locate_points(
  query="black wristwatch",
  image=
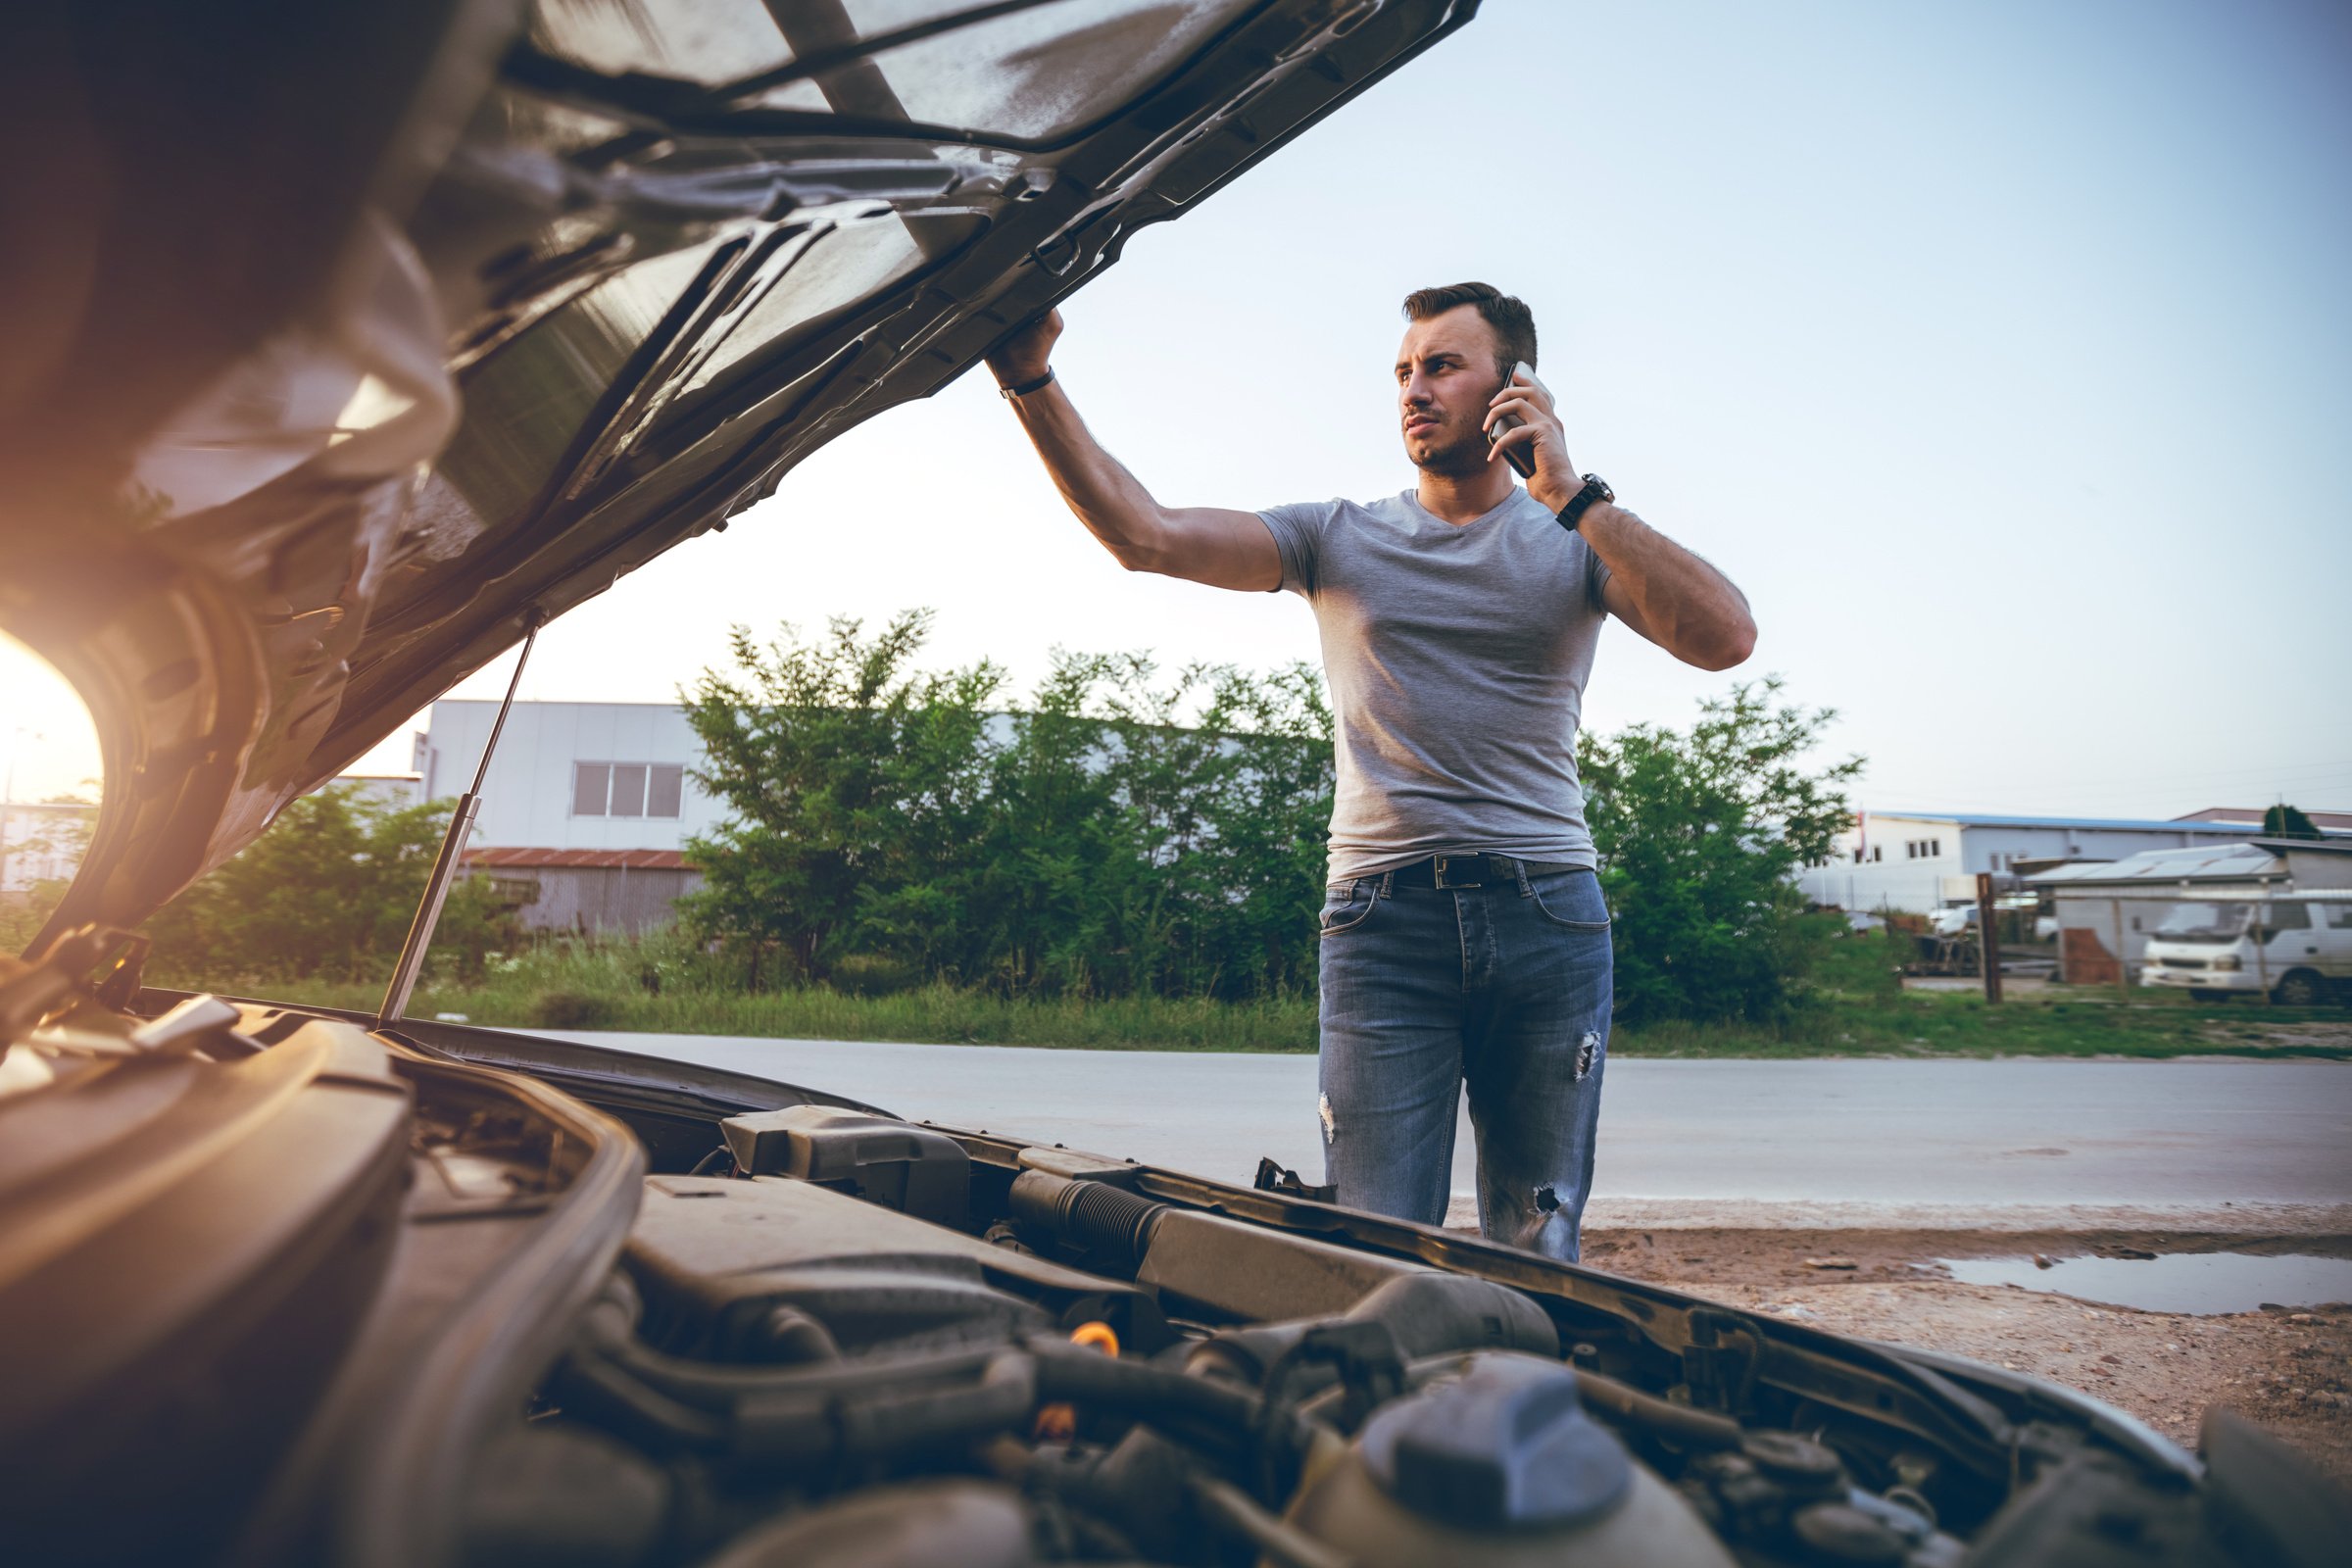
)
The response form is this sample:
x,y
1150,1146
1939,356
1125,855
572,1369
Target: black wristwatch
x,y
1595,489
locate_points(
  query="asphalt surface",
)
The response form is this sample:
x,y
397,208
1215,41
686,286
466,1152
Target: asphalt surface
x,y
1958,1134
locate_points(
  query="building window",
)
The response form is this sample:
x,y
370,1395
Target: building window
x,y
1936,847
589,783
665,787
1878,852
627,789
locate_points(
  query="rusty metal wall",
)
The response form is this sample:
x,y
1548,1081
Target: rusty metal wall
x,y
598,900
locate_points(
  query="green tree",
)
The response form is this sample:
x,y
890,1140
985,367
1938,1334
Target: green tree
x,y
856,788
328,892
1117,833
1051,867
1164,837
2284,822
1229,816
1699,836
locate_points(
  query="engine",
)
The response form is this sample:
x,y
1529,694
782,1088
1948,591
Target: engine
x,y
280,1295
853,1344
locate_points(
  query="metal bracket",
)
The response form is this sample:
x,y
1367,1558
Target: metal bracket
x,y
452,849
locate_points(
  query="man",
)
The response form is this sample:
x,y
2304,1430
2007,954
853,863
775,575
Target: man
x,y
1464,935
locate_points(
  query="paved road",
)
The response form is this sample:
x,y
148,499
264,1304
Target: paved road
x,y
1998,1134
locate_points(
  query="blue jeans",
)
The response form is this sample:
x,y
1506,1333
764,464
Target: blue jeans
x,y
1503,987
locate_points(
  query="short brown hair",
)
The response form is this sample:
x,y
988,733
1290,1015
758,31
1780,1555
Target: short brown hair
x,y
1513,322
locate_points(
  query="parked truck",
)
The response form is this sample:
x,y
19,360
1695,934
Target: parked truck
x,y
2294,947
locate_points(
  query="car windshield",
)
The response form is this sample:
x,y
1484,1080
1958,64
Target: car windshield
x,y
2206,923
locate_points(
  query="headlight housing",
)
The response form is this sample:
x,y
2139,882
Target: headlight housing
x,y
2231,962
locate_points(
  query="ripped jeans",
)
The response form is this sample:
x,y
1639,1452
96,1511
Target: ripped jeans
x,y
1505,988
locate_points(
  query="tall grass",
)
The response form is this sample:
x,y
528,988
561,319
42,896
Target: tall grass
x,y
936,1013
662,985
1854,1006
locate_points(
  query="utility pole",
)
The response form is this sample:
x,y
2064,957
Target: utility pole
x,y
2123,966
2259,923
1989,937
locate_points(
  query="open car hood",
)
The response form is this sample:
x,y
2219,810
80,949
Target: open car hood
x,y
348,340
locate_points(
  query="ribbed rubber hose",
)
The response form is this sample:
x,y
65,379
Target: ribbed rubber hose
x,y
1105,1221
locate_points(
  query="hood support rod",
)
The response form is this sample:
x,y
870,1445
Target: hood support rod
x,y
453,847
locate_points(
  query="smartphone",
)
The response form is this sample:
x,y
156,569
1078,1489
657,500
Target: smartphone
x,y
1522,459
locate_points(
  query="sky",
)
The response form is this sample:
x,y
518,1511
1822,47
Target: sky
x,y
1994,350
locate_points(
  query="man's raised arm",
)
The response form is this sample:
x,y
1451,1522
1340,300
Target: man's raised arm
x,y
1201,544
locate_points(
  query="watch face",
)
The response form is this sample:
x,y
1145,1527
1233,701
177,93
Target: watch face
x,y
1596,480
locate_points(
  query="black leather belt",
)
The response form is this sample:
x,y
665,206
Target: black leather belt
x,y
1472,871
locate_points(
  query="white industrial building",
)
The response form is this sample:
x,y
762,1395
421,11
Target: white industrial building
x,y
586,811
1918,861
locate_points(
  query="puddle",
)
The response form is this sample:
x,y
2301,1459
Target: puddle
x,y
2198,1283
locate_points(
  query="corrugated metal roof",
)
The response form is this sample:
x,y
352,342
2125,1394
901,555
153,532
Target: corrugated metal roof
x,y
2219,863
2118,824
582,859
2253,816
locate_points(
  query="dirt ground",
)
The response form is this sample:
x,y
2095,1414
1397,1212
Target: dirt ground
x,y
2289,1370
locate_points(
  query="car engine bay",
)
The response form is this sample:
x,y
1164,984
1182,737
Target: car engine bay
x,y
599,1309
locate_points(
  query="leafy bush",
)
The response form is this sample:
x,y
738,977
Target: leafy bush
x,y
25,913
329,891
1700,834
1117,834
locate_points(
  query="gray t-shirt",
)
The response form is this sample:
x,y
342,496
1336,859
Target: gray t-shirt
x,y
1456,657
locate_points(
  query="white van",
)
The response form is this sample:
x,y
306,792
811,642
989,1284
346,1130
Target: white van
x,y
2298,947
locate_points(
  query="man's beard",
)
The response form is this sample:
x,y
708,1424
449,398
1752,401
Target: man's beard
x,y
1457,459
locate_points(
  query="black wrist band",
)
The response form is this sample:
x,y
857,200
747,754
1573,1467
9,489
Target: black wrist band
x,y
1027,387
1595,489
